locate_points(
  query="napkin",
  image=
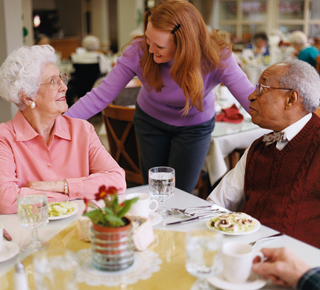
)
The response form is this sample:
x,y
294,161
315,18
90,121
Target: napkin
x,y
230,115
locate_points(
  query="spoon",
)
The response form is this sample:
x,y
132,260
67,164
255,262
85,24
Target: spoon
x,y
195,207
214,211
267,238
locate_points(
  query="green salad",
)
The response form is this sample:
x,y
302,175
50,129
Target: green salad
x,y
233,222
56,209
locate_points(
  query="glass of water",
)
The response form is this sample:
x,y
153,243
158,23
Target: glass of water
x,y
33,214
203,255
161,186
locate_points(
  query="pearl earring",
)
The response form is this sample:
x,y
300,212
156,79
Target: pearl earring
x,y
32,105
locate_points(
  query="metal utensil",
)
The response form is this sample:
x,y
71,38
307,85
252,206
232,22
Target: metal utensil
x,y
193,207
191,219
204,211
266,238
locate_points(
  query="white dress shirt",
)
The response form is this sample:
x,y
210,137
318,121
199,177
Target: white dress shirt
x,y
229,193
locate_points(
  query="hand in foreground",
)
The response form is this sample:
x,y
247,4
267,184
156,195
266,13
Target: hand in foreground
x,y
281,266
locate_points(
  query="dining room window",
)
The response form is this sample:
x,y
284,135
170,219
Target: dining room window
x,y
246,17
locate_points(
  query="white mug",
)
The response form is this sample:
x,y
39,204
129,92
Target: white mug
x,y
142,206
1,237
237,261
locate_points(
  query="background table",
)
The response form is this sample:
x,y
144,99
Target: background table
x,y
225,138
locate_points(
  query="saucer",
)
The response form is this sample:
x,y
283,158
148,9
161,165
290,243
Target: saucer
x,y
154,218
253,283
9,250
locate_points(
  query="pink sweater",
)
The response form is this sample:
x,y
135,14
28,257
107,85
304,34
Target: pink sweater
x,y
166,105
75,154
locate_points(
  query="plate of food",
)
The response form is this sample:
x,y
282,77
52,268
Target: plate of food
x,y
61,210
234,223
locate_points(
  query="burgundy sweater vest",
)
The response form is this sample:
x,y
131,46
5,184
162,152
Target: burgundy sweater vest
x,y
283,187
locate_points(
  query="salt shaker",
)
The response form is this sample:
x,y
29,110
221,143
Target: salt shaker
x,y
20,278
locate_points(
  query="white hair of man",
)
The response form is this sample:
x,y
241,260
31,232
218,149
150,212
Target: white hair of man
x,y
303,78
21,72
298,37
91,43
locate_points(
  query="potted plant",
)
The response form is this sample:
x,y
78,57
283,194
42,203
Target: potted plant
x,y
111,232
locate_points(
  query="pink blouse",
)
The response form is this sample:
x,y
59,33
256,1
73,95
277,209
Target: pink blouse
x,y
75,153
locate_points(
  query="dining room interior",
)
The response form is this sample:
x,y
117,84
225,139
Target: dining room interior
x,y
167,261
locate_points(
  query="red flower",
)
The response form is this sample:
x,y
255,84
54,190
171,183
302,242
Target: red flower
x,y
103,192
86,201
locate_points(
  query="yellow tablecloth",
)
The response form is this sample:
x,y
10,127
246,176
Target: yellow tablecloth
x,y
169,245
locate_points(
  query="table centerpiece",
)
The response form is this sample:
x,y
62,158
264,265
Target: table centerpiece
x,y
111,232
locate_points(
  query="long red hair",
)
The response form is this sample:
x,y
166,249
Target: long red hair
x,y
198,51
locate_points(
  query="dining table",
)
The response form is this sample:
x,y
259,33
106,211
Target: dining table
x,y
160,266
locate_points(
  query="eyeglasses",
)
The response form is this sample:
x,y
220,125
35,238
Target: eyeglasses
x,y
260,86
55,81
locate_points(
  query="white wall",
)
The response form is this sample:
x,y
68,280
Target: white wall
x,y
11,38
27,7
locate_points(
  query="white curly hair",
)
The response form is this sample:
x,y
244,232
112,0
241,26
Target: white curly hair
x,y
302,77
91,43
21,72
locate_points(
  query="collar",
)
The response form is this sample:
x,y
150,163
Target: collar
x,y
25,132
291,131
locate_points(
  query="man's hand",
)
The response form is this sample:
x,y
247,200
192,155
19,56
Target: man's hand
x,y
281,266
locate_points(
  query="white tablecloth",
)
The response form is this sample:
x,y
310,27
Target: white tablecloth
x,y
227,137
181,199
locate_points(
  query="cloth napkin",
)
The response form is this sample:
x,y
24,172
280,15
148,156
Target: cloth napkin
x,y
230,115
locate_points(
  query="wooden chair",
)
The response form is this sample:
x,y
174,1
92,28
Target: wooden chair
x,y
318,63
123,141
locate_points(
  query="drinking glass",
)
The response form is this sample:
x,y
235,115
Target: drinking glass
x,y
161,186
55,269
33,214
203,255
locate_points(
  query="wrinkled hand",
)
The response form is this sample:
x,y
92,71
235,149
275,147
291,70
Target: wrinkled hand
x,y
282,267
57,186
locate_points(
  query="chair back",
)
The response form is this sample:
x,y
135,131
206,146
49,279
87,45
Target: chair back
x,y
318,63
123,141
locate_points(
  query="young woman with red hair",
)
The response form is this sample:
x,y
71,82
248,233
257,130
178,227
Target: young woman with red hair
x,y
179,63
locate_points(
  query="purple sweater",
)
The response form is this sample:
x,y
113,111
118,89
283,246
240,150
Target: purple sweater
x,y
166,105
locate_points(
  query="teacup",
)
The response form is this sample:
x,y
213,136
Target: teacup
x,y
237,261
143,206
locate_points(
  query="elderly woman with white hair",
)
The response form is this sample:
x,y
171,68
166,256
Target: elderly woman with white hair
x,y
306,52
40,149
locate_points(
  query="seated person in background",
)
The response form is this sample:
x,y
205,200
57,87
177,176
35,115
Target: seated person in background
x,y
306,52
40,149
278,183
259,44
42,39
286,269
89,54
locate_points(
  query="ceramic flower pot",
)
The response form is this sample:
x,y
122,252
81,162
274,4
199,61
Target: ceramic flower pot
x,y
112,248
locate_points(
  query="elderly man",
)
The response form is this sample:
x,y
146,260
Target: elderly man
x,y
277,179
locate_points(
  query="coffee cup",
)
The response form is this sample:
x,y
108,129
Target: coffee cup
x,y
143,206
237,260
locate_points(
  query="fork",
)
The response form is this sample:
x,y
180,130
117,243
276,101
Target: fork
x,y
194,207
266,238
208,211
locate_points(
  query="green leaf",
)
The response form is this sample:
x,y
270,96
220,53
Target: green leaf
x,y
94,215
127,205
114,221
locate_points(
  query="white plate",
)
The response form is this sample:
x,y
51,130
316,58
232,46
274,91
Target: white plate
x,y
256,228
252,283
9,250
52,218
155,218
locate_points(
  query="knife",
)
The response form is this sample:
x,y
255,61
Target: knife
x,y
6,235
191,219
